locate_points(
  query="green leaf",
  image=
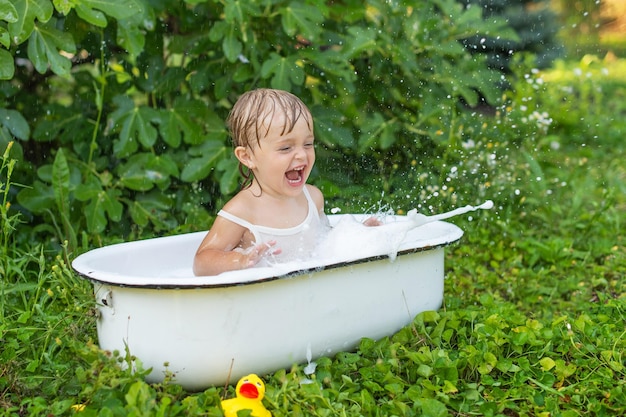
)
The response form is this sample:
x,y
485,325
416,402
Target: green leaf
x,y
136,175
470,17
142,171
27,12
38,198
232,47
61,123
112,206
388,136
176,124
95,214
140,214
152,68
152,207
101,204
238,12
433,408
15,123
229,175
61,187
88,189
285,71
243,73
61,181
453,47
196,119
332,62
489,362
7,68
564,370
302,19
118,9
487,81
63,6
370,130
134,125
360,39
424,371
215,128
44,47
93,16
329,130
547,363
32,366
164,164
449,387
5,39
218,31
8,13
131,34
199,168
233,12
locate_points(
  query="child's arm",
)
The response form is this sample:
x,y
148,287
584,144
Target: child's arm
x,y
217,253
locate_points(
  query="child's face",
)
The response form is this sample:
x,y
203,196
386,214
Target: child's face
x,y
281,163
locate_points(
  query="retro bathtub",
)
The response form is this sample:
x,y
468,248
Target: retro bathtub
x,y
212,330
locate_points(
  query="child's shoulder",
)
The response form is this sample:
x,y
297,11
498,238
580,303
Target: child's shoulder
x,y
313,191
240,205
316,196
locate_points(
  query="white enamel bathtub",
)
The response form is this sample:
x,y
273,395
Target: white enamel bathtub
x,y
211,330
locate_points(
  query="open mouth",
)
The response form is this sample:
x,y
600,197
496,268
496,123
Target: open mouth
x,y
248,390
295,176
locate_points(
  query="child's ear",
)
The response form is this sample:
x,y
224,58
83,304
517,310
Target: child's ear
x,y
243,154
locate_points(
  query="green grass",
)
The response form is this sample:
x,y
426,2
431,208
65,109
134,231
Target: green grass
x,y
534,310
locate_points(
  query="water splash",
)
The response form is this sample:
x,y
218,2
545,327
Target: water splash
x,y
350,238
309,369
420,219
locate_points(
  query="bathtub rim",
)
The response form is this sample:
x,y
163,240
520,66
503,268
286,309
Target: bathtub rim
x,y
80,266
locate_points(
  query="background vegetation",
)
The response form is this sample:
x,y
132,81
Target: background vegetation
x,y
119,106
112,128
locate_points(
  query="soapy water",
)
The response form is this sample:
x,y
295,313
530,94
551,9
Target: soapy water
x,y
351,237
309,368
346,241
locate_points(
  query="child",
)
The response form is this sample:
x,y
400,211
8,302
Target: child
x,y
276,214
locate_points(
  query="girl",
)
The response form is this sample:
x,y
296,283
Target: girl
x,y
276,214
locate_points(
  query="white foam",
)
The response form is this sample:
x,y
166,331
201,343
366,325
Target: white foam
x,y
350,239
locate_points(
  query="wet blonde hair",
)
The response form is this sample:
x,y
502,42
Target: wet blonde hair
x,y
251,117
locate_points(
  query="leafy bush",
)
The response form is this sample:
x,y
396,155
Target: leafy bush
x,y
535,24
119,106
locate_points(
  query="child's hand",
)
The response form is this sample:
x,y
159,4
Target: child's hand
x,y
372,221
257,252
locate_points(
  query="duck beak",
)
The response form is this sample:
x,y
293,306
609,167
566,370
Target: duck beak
x,y
249,390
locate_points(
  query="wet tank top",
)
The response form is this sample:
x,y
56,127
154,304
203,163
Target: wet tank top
x,y
298,242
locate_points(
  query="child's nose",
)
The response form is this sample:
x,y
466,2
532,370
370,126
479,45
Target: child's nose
x,y
301,153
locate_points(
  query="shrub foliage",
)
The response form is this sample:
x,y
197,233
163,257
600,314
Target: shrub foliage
x,y
118,107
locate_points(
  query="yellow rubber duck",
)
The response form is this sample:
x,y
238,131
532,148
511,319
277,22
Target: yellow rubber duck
x,y
249,392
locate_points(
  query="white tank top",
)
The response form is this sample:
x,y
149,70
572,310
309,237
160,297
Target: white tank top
x,y
296,242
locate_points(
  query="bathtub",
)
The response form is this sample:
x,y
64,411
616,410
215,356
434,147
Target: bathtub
x,y
207,331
